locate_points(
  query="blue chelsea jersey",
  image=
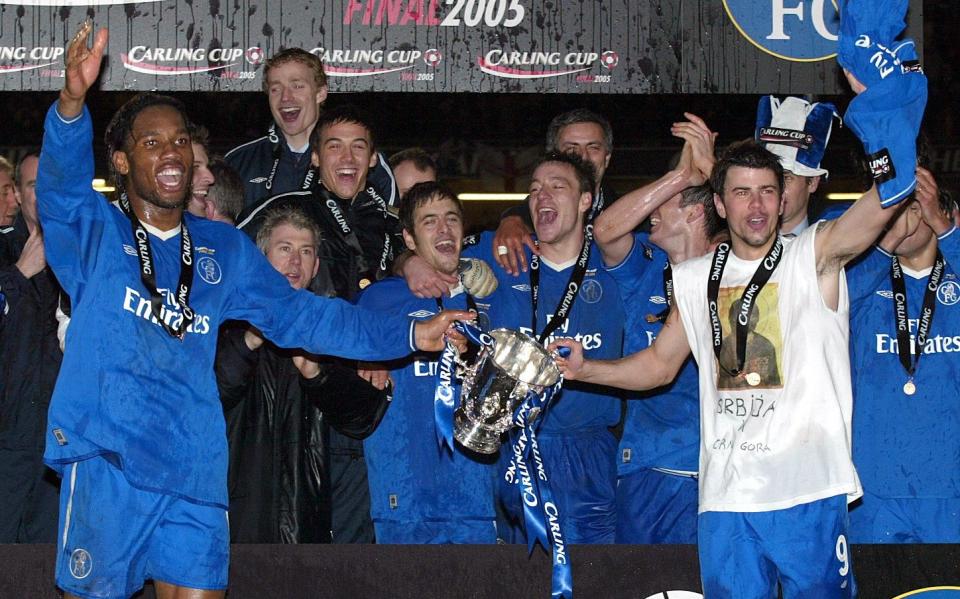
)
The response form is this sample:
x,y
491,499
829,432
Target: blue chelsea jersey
x,y
411,476
662,426
596,320
905,446
129,391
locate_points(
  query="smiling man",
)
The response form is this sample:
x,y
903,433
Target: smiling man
x,y
568,295
202,176
135,423
280,161
360,237
277,401
422,492
775,460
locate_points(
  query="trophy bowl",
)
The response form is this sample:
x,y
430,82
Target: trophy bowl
x,y
505,371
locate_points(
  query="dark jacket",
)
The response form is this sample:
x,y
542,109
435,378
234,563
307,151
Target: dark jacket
x,y
254,162
29,350
29,363
345,259
278,481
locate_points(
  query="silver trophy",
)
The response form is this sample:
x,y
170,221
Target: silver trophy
x,y
504,372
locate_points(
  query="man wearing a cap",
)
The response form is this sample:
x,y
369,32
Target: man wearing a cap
x,y
798,133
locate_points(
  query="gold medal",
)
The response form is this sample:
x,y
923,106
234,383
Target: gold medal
x,y
651,318
753,378
364,283
909,388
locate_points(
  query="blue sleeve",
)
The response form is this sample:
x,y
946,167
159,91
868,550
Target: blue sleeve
x,y
886,116
298,318
72,214
866,273
387,296
481,248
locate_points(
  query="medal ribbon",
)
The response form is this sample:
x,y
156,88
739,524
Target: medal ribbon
x,y
760,278
904,349
573,286
308,177
148,275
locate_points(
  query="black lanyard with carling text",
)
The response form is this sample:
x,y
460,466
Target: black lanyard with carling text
x,y
570,295
747,302
148,272
308,178
904,350
471,303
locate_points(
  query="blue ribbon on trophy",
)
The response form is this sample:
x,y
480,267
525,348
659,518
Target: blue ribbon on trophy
x,y
510,385
445,395
540,513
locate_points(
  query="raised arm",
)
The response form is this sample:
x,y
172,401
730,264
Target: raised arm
x,y
613,229
82,69
66,204
648,369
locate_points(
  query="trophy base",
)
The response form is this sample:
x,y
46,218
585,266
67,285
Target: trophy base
x,y
474,435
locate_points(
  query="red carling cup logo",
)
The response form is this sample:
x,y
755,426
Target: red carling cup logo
x,y
254,55
432,57
609,59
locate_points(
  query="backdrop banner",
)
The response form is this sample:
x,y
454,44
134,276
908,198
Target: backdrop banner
x,y
527,46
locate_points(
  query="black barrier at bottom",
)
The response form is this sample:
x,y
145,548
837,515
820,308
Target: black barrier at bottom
x,y
418,571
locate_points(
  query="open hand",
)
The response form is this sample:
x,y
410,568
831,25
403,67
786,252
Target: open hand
x,y
82,68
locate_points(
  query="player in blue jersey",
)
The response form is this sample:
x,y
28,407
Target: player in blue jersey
x,y
659,448
578,449
135,425
906,422
422,492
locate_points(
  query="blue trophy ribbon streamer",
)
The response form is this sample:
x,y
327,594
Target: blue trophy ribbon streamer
x,y
541,513
445,396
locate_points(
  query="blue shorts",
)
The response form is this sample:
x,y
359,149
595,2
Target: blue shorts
x,y
881,520
654,507
434,532
113,536
582,469
744,554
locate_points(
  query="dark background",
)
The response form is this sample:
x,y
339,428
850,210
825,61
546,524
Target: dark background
x,y
487,142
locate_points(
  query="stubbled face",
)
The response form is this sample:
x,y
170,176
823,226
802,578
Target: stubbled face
x,y
293,252
796,198
437,234
407,175
202,180
294,100
27,186
157,161
556,202
8,199
587,141
667,222
345,155
751,204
